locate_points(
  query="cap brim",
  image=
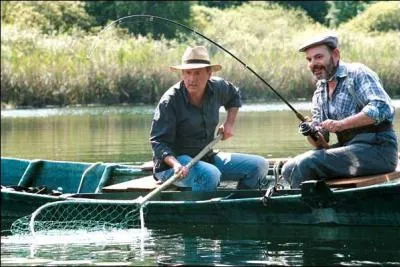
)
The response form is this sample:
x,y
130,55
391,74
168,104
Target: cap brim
x,y
214,67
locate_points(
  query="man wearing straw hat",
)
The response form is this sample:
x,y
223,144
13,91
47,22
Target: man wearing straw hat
x,y
349,101
185,121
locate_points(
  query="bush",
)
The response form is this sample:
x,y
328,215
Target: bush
x,y
51,17
378,17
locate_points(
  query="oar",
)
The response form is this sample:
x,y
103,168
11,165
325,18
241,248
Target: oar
x,y
176,176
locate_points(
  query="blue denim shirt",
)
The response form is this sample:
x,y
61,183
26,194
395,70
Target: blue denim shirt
x,y
370,97
179,128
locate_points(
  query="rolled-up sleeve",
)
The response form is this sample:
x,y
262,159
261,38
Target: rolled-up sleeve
x,y
229,95
378,107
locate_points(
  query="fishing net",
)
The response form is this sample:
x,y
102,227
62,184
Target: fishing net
x,y
95,214
82,214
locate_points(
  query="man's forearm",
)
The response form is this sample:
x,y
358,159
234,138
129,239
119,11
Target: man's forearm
x,y
356,121
231,116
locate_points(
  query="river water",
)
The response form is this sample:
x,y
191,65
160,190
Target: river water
x,y
120,134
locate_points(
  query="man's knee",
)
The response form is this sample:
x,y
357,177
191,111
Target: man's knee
x,y
287,168
207,180
261,166
259,171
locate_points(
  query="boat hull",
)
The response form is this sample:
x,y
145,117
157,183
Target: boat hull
x,y
375,205
371,206
315,203
15,205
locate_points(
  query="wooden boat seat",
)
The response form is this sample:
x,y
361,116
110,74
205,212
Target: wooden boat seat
x,y
146,183
363,180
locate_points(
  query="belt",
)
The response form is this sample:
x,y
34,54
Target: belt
x,y
347,135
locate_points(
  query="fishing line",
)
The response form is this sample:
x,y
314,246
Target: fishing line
x,y
151,19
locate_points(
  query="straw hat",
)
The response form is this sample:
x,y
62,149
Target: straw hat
x,y
195,58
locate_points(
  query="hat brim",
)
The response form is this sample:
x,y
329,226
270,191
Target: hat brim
x,y
214,67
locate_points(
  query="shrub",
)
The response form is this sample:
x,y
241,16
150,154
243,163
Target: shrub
x,y
380,17
51,17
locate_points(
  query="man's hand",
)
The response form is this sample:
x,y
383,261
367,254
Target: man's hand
x,y
180,170
306,129
319,142
227,128
314,137
333,126
227,131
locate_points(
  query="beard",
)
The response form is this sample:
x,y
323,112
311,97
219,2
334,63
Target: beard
x,y
324,71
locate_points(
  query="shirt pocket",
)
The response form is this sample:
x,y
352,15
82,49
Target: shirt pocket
x,y
345,105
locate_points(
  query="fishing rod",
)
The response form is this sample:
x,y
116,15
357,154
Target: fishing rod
x,y
151,18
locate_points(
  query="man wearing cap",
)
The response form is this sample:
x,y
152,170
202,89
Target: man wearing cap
x,y
349,101
185,121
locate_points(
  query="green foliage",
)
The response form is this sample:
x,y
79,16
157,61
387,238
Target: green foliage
x,y
254,33
221,4
381,17
40,69
342,11
51,17
317,10
103,11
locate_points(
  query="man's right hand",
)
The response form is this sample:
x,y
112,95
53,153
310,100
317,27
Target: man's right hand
x,y
180,170
314,137
307,129
176,165
318,140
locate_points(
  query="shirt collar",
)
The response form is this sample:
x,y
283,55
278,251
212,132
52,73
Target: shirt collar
x,y
341,71
209,90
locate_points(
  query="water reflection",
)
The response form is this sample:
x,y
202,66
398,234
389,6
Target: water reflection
x,y
212,245
284,245
121,134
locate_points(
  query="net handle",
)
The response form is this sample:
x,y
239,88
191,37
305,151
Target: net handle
x,y
176,176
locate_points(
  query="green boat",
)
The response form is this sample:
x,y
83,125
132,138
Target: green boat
x,y
29,184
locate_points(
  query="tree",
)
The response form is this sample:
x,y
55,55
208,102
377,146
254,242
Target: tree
x,y
51,17
221,4
342,11
317,10
105,11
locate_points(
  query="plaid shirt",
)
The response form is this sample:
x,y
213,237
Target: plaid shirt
x,y
369,96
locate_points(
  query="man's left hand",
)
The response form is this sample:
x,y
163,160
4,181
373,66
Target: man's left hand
x,y
333,126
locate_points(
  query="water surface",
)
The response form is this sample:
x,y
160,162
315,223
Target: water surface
x,y
120,134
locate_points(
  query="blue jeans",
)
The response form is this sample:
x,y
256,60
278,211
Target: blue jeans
x,y
247,170
365,154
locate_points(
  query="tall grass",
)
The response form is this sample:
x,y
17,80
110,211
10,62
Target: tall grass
x,y
38,69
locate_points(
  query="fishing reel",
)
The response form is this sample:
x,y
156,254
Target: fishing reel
x,y
307,129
